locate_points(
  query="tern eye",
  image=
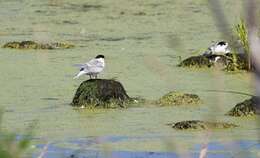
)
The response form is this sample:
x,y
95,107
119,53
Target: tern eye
x,y
81,69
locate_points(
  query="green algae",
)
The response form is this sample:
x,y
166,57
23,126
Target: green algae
x,y
236,62
101,93
201,125
61,45
230,61
245,108
35,45
178,98
196,61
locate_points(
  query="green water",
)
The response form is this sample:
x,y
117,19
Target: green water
x,y
135,36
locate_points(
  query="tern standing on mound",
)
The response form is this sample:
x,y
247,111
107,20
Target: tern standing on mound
x,y
93,67
219,48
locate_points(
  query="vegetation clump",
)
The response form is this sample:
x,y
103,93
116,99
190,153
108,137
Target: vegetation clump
x,y
237,62
196,61
232,61
229,61
245,108
35,45
237,59
201,125
102,93
178,98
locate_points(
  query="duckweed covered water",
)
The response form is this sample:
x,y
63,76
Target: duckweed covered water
x,y
137,37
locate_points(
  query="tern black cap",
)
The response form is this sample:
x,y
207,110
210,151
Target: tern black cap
x,y
100,56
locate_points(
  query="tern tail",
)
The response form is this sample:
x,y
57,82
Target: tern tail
x,y
79,74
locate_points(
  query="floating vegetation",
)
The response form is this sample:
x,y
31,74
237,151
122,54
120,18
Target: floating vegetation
x,y
91,6
201,125
178,98
245,108
35,45
102,93
237,61
196,61
229,61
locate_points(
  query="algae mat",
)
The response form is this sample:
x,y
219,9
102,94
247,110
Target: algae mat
x,y
136,37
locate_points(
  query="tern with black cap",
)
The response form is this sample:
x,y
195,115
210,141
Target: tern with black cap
x,y
92,68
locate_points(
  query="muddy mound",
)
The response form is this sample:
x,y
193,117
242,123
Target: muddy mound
x,y
35,45
245,108
101,93
201,125
178,98
237,62
229,62
196,61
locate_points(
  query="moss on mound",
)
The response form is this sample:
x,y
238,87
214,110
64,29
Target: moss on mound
x,y
101,93
201,125
245,108
237,62
35,45
178,98
230,62
196,61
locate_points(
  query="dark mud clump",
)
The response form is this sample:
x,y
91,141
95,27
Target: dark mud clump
x,y
178,98
201,125
102,93
229,61
35,45
245,108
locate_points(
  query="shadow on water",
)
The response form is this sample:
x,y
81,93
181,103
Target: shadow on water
x,y
84,148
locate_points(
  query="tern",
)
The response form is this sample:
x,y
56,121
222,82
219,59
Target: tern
x,y
92,68
219,48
